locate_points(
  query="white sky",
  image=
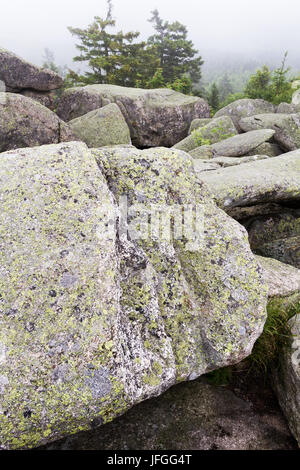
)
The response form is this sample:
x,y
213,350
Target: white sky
x,y
252,27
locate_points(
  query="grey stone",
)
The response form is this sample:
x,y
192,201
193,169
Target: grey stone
x,y
243,108
286,127
286,378
240,145
26,123
282,279
133,316
296,98
159,117
196,123
102,127
272,180
215,131
18,74
271,150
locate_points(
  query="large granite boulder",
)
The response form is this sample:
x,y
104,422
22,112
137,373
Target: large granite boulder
x,y
159,117
271,180
245,107
26,123
94,321
17,74
102,127
240,145
284,293
283,280
214,131
271,150
286,379
296,98
288,108
276,235
286,127
199,122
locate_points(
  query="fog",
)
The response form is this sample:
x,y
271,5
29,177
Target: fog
x,y
254,29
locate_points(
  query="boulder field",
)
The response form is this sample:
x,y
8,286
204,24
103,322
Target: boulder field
x,y
142,242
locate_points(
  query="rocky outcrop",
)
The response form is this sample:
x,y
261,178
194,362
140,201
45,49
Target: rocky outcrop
x,y
271,180
102,127
296,98
271,150
159,117
276,235
101,320
17,74
26,123
240,145
214,131
196,123
282,279
286,127
224,162
245,108
286,379
46,98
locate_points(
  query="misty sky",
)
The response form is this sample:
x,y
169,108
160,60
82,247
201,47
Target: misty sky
x,y
254,28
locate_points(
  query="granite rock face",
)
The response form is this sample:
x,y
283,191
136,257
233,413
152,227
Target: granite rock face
x,y
241,144
17,74
244,108
285,126
214,131
271,180
26,123
286,379
93,322
102,127
159,117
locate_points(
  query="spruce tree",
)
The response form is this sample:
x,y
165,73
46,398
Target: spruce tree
x,y
176,53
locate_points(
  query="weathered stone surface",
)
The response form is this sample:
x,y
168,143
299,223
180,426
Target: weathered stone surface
x,y
272,180
286,250
296,98
18,74
287,378
205,165
101,322
159,117
282,279
263,228
46,98
240,145
286,108
201,164
276,235
102,127
196,123
193,416
26,123
231,161
204,151
215,131
286,127
245,213
271,150
244,108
